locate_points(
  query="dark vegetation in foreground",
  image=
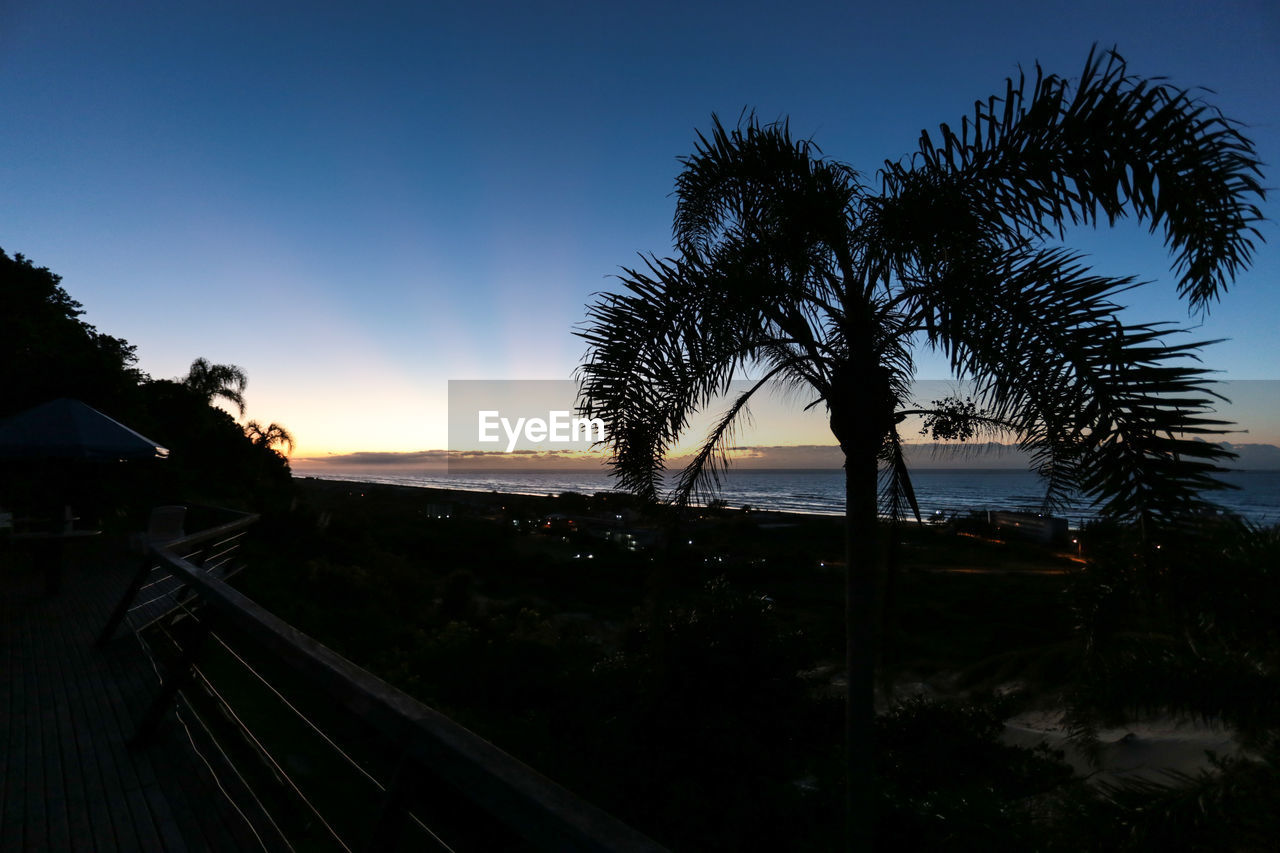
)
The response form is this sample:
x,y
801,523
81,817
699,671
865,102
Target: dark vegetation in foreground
x,y
692,690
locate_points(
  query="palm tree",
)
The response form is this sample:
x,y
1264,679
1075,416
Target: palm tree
x,y
789,268
217,380
270,436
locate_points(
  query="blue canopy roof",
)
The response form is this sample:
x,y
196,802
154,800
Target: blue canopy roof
x,y
69,429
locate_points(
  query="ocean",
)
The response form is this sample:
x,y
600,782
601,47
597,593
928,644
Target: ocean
x,y
1256,495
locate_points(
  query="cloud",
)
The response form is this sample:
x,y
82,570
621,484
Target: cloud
x,y
440,459
550,459
1257,457
786,456
375,459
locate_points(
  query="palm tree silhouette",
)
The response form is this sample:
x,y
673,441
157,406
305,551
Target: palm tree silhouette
x,y
791,269
217,380
270,436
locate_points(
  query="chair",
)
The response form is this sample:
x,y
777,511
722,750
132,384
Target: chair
x,y
165,524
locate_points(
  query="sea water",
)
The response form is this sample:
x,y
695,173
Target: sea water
x,y
1255,496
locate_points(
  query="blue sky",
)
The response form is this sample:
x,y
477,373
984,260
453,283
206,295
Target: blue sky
x,y
357,205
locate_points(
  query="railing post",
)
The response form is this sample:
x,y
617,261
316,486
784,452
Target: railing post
x,y
122,608
391,816
197,559
177,675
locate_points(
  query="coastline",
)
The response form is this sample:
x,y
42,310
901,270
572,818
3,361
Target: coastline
x,y
942,492
495,499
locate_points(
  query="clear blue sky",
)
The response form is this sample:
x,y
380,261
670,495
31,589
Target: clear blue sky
x,y
359,203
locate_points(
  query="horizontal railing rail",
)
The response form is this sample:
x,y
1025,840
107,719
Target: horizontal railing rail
x,y
429,751
154,590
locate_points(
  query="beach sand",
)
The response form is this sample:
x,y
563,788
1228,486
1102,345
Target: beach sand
x,y
1144,749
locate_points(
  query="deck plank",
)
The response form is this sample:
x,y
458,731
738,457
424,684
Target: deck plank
x,y
71,830
68,778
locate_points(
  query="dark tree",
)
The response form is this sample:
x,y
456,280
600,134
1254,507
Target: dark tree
x,y
47,351
211,381
211,458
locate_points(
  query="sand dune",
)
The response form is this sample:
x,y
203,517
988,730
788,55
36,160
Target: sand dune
x,y
1143,749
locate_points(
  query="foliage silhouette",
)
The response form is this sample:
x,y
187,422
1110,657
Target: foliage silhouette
x,y
1186,628
211,381
950,784
211,459
1228,808
49,352
1182,626
790,268
270,437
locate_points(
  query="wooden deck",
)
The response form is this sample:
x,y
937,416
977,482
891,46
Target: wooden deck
x,y
68,779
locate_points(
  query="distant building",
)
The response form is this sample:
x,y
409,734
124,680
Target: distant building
x,y
637,538
1030,526
558,523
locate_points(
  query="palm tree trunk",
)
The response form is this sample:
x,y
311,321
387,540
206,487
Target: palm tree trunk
x,y
862,563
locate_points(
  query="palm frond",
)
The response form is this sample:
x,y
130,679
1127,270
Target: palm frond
x,y
701,476
218,380
658,353
755,181
269,436
1106,146
897,494
1228,807
1107,408
756,282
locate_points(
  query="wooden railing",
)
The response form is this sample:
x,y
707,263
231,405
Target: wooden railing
x,y
434,783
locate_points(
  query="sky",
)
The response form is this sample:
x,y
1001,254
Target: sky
x,y
359,203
